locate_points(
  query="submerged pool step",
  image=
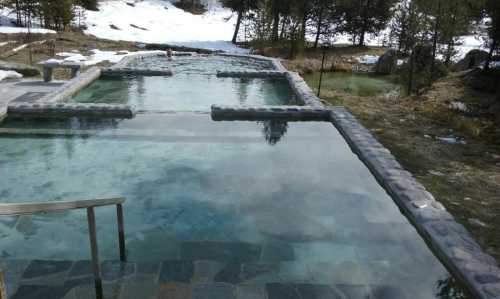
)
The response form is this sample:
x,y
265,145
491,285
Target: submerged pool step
x,y
62,110
198,279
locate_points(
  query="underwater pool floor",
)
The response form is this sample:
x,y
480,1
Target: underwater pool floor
x,y
214,210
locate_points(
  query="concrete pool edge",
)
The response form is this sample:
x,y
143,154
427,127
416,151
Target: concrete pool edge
x,y
449,240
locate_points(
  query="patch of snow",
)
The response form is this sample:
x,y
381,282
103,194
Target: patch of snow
x,y
436,173
451,140
368,59
11,30
7,42
9,75
458,106
96,57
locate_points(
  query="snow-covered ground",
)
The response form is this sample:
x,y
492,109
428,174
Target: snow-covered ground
x,y
10,30
158,21
96,57
9,75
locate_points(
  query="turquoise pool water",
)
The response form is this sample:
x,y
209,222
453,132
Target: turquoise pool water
x,y
202,64
291,198
193,92
194,86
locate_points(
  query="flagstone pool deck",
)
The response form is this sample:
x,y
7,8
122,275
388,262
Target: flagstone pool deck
x,y
25,90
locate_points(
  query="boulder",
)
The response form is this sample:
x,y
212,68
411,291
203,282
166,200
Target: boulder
x,y
472,60
23,69
387,63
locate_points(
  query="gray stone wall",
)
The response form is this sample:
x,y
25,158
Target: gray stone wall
x,y
252,74
61,110
302,90
72,87
135,71
287,113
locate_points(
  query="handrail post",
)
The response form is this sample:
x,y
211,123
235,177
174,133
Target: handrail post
x,y
95,253
3,292
121,232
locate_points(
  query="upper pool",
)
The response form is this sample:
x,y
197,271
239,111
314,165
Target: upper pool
x,y
265,203
202,64
194,86
193,92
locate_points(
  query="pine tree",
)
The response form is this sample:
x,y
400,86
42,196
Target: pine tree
x,y
88,4
493,11
241,7
361,17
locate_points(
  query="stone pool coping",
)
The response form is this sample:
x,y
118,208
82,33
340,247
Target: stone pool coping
x,y
283,113
63,110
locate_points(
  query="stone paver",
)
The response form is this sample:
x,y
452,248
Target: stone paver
x,y
12,90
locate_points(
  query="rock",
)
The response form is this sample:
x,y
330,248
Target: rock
x,y
23,69
387,63
472,60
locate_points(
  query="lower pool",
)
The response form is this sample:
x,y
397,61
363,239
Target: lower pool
x,y
193,92
362,85
278,202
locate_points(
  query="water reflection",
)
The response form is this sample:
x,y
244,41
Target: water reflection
x,y
450,289
274,131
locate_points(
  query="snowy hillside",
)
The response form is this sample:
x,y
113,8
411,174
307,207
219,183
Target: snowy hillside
x,y
159,21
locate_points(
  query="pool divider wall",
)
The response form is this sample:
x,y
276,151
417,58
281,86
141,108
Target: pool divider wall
x,y
286,113
135,71
62,110
450,241
72,87
252,74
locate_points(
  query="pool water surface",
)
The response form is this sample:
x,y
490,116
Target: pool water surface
x,y
289,198
186,92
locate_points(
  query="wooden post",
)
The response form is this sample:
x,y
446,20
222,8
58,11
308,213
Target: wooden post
x,y
95,253
3,292
121,232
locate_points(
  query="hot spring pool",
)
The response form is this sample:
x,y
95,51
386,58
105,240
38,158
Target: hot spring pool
x,y
186,92
194,86
285,203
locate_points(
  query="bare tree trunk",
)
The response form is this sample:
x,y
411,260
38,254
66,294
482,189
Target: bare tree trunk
x,y
363,27
237,29
410,75
276,26
493,47
435,40
318,29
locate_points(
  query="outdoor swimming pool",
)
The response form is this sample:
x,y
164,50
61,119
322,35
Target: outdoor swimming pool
x,y
278,203
243,209
194,86
186,92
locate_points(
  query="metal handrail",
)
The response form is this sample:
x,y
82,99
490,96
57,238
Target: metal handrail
x,y
14,209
